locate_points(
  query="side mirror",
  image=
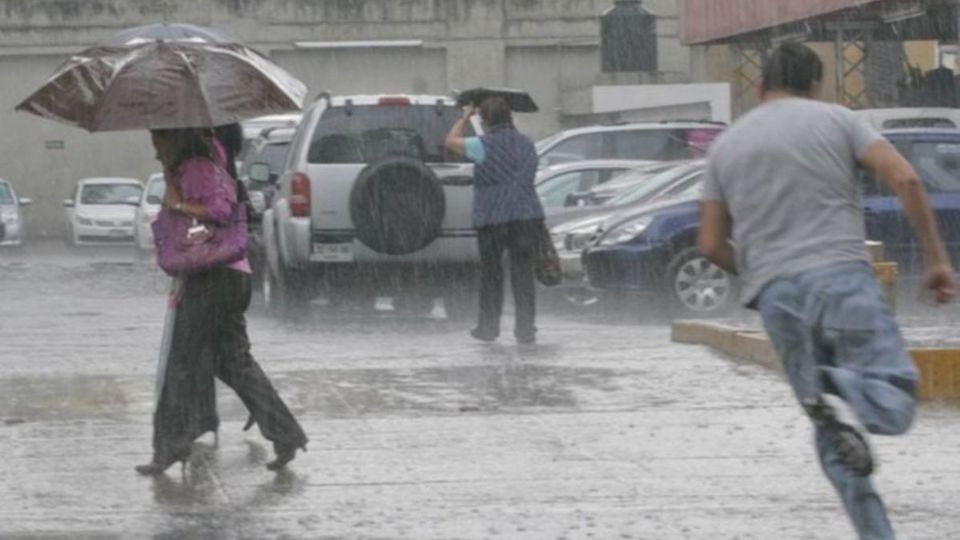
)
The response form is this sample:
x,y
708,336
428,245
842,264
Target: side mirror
x,y
69,203
260,172
25,201
153,199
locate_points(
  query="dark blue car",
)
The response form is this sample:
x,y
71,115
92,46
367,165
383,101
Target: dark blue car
x,y
653,251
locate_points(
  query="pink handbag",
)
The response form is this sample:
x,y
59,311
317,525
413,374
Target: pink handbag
x,y
177,253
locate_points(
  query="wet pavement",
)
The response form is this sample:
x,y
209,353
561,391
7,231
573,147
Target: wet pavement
x,y
604,430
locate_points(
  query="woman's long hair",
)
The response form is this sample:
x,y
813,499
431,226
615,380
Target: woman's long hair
x,y
189,143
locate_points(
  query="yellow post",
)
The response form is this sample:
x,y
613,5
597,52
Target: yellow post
x,y
886,273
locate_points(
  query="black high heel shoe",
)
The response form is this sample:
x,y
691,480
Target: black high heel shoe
x,y
285,454
159,466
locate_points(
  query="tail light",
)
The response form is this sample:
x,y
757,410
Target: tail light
x,y
300,195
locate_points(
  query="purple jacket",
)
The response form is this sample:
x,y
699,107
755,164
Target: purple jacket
x,y
205,183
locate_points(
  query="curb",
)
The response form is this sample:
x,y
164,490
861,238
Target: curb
x,y
939,368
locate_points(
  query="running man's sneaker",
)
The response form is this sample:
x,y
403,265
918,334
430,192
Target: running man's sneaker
x,y
844,431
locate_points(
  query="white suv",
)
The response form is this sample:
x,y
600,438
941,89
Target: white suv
x,y
372,204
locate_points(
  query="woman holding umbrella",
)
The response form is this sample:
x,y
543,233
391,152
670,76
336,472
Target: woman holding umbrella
x,y
209,335
507,214
179,81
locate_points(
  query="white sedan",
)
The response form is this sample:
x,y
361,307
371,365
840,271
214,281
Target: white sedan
x,y
102,211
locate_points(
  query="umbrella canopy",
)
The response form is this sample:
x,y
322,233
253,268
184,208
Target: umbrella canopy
x,y
162,85
518,100
166,32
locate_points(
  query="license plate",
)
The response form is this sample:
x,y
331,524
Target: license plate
x,y
333,252
118,232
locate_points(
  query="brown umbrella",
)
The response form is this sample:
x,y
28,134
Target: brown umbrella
x,y
161,84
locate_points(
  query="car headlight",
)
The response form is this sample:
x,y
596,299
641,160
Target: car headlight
x,y
626,232
578,238
84,221
8,216
557,239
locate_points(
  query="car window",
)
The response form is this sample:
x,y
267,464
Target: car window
x,y
656,144
576,148
938,164
109,193
273,154
6,194
370,133
651,187
155,191
699,141
553,193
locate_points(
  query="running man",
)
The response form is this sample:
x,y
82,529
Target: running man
x,y
781,208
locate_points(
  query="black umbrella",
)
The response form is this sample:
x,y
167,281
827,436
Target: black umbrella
x,y
518,100
167,32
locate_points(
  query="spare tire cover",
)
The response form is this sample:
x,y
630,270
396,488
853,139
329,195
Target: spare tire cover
x,y
397,206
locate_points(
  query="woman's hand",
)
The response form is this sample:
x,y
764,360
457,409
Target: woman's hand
x,y
468,111
171,197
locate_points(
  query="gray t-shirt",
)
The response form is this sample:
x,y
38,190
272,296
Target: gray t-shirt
x,y
787,174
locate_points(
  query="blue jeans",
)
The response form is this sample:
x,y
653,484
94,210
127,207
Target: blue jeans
x,y
835,334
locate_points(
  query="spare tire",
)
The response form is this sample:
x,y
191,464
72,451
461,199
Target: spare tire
x,y
397,206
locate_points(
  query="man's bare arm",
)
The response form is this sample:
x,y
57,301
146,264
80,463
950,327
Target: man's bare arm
x,y
714,237
887,163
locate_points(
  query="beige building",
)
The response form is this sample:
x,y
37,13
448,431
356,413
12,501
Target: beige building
x,y
549,47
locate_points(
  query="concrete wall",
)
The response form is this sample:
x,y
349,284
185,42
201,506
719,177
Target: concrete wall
x,y
546,46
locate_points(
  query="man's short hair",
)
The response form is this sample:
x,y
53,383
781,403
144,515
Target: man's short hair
x,y
793,67
495,112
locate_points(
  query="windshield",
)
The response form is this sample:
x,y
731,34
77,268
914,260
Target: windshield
x,y
6,194
653,186
370,133
155,190
109,193
938,164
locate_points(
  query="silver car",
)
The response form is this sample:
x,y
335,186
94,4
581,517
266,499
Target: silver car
x,y
11,215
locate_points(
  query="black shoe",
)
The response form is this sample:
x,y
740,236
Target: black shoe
x,y
159,465
844,432
285,454
483,336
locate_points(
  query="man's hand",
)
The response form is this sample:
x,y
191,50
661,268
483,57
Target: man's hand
x,y
941,283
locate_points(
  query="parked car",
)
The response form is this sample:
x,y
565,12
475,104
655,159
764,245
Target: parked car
x,y
559,185
255,127
653,251
147,210
640,185
11,215
102,211
259,172
570,238
654,141
370,204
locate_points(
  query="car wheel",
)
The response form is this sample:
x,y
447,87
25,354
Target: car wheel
x,y
697,287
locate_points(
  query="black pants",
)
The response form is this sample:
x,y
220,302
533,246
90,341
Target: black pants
x,y
210,340
519,240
